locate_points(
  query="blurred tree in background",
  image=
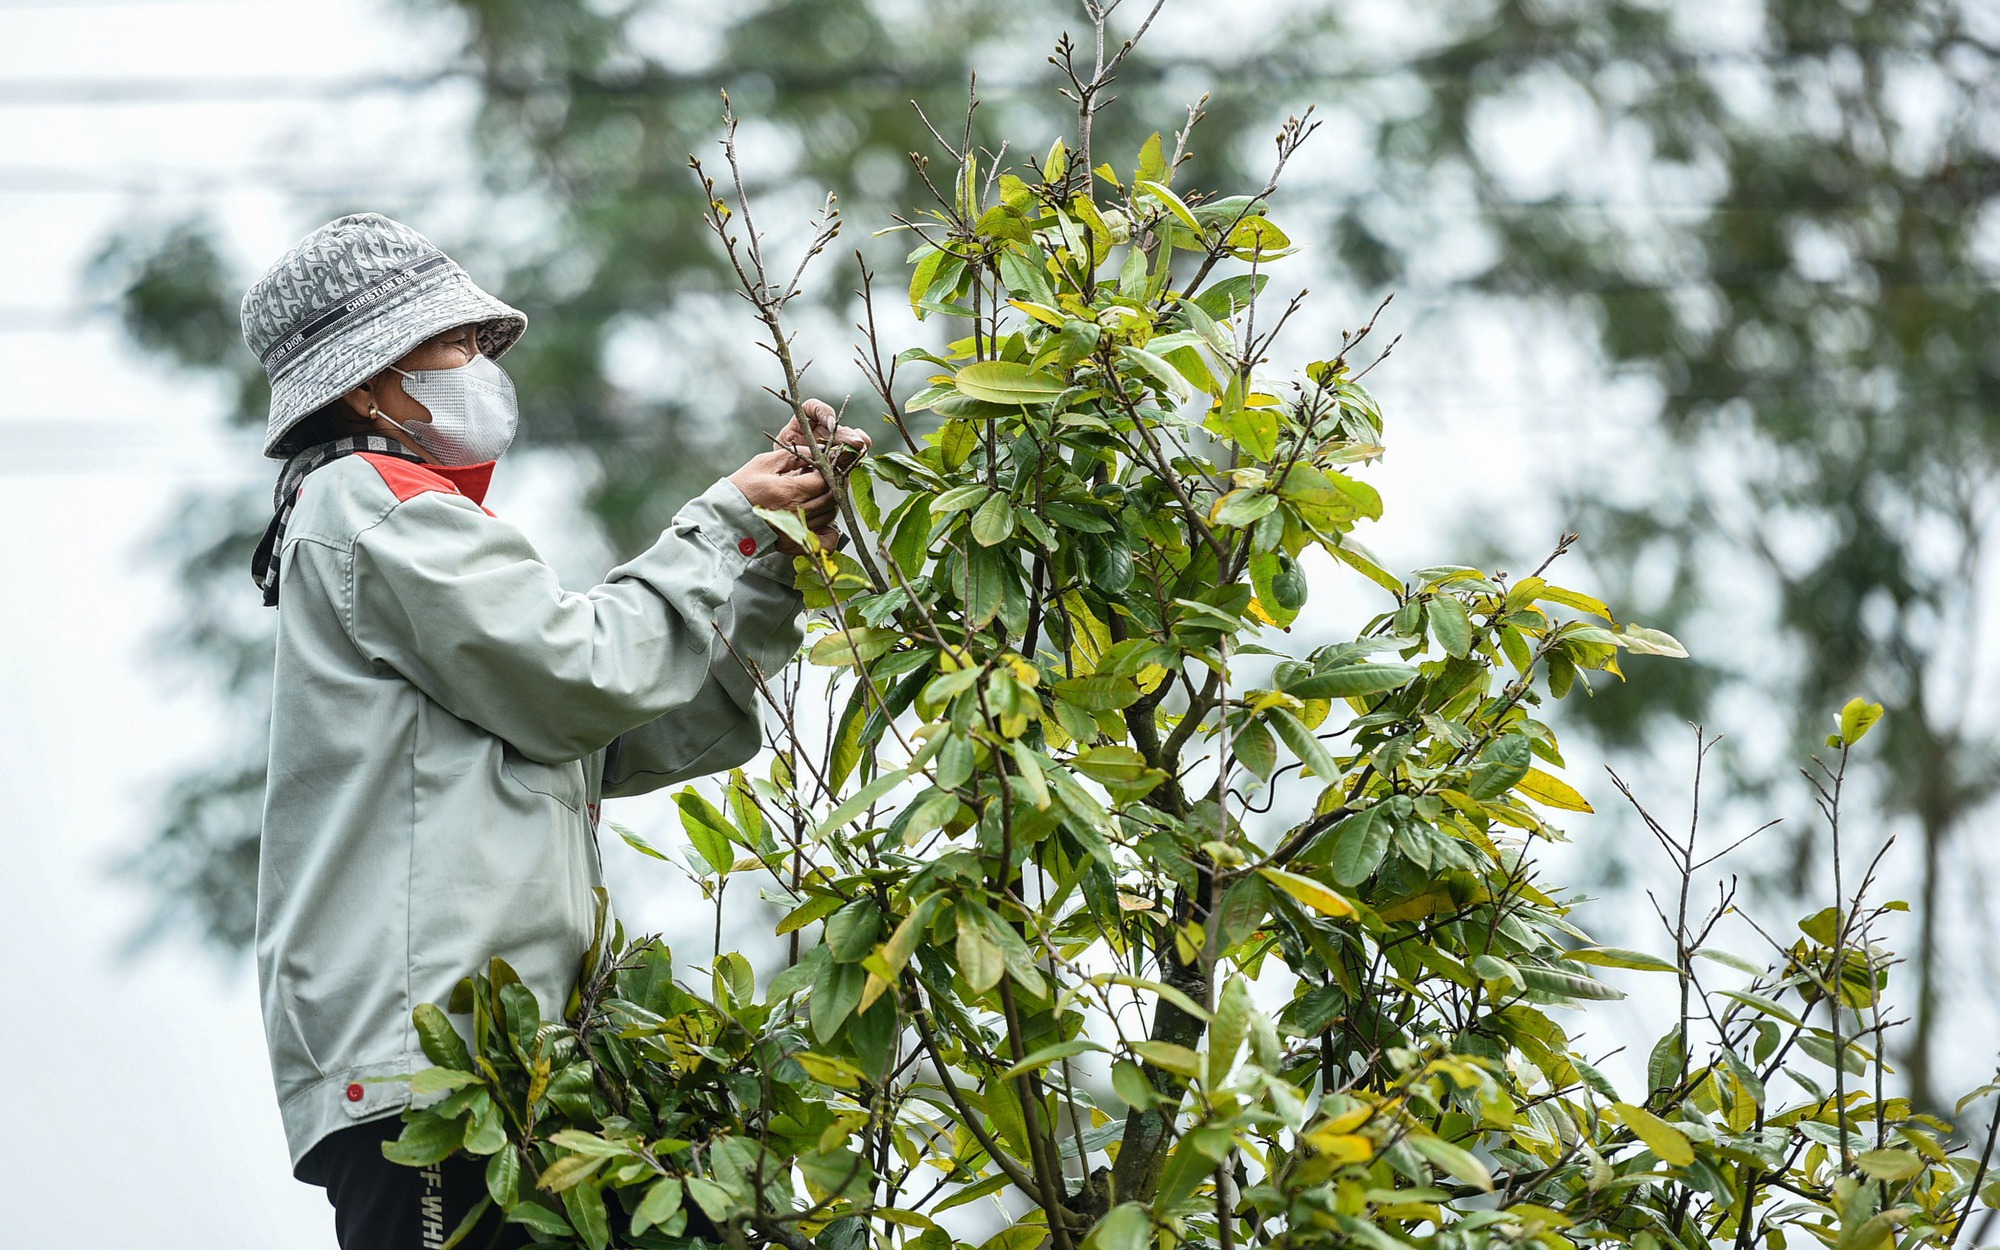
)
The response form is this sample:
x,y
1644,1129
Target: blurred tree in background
x,y
1780,214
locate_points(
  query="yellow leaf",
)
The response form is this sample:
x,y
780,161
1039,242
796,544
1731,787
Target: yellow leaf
x,y
1552,791
1857,718
1662,1138
1269,699
1574,599
1173,202
1310,892
1040,312
1342,1147
1349,1120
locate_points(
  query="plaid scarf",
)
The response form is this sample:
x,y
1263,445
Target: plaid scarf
x,y
264,565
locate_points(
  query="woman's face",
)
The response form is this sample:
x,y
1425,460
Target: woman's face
x,y
450,350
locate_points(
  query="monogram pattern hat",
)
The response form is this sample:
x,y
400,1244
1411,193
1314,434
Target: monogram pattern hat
x,y
351,299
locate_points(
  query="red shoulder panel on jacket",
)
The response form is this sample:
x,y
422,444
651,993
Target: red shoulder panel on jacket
x,y
407,479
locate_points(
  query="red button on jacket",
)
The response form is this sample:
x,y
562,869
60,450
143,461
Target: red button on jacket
x,y
748,546
354,1092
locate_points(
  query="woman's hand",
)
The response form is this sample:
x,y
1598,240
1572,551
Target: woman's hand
x,y
784,479
849,444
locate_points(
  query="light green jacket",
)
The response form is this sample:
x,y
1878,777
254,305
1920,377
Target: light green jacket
x,y
445,720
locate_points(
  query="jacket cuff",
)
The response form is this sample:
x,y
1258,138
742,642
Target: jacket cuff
x,y
746,540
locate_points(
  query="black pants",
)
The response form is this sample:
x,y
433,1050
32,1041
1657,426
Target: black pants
x,y
379,1205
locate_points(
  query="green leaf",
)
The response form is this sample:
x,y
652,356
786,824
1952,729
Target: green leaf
x,y
1007,382
707,829
902,943
1729,960
858,802
715,1202
1254,748
1642,641
570,1171
1501,766
1127,1226
658,1206
987,583
469,1222
814,908
441,1042
1110,565
503,1176
1758,1002
1168,377
980,960
585,1205
1494,968
839,1171
1242,508
960,498
1233,1011
1890,1165
485,1132
1112,765
1165,991
1129,1081
1660,1137
789,524
1303,743
440,1081
924,274
1352,680
1559,984
538,1217
1171,1056
1852,1059
1453,1161
425,1140
1028,774
851,931
1098,694
638,843
851,648
1359,843
1450,624
994,521
1663,1065
1046,1055
1615,957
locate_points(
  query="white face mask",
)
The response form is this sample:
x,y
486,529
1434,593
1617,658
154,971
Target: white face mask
x,y
473,415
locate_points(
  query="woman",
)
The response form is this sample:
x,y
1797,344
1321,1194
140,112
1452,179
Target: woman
x,y
446,717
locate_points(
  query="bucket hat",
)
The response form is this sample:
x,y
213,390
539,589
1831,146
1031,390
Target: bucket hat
x,y
349,300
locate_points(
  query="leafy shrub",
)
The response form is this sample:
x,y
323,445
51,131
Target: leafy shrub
x,y
1064,950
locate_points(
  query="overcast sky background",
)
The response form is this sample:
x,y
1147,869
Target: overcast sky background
x,y
141,1105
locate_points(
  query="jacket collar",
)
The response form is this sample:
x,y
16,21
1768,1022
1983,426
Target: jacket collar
x,y
470,479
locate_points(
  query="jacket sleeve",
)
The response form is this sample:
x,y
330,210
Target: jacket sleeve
x,y
718,728
460,603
